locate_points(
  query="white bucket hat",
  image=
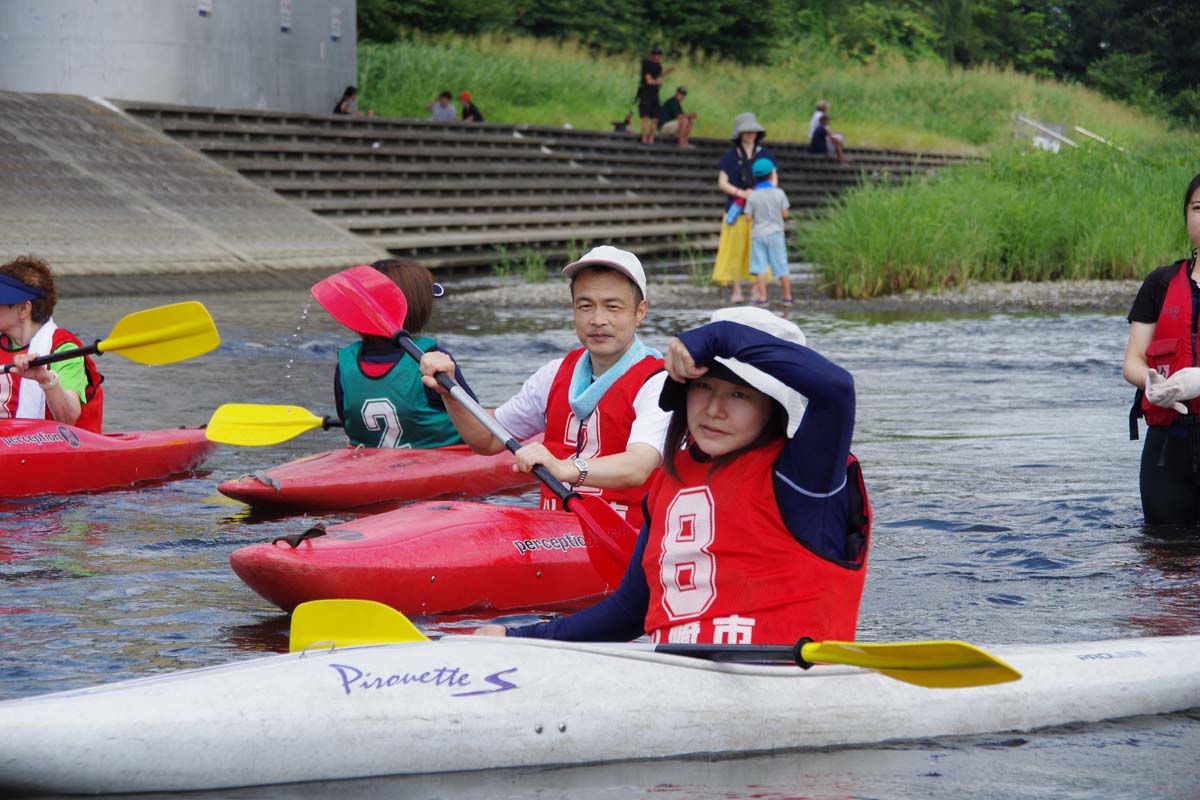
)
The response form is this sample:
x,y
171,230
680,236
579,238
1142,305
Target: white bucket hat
x,y
605,255
674,393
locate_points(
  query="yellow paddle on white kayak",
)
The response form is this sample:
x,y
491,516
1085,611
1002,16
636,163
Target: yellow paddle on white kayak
x,y
256,424
161,335
935,664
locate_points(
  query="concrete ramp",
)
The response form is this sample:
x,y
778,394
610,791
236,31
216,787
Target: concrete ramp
x,y
117,207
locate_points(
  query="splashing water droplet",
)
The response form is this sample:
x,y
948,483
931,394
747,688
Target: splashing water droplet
x,y
295,340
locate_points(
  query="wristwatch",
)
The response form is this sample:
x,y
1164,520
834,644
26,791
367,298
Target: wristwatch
x,y
581,465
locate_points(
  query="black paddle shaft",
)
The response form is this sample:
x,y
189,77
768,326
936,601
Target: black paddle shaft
x,y
65,355
743,653
485,419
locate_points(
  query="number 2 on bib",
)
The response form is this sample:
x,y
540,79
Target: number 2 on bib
x,y
380,415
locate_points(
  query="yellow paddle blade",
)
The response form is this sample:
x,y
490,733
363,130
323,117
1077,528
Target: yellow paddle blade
x,y
322,624
937,665
256,425
163,335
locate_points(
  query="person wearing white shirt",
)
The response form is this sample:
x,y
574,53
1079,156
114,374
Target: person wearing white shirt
x,y
597,406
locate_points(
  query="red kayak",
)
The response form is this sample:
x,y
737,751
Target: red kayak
x,y
431,558
362,476
45,457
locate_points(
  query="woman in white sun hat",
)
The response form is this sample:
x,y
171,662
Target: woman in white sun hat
x,y
758,525
735,180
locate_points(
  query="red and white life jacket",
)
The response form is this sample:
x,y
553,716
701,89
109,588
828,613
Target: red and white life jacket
x,y
723,568
1174,345
605,432
91,415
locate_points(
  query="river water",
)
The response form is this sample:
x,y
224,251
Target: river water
x,y
996,453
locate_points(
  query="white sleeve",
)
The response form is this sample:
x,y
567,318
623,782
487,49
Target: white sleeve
x,y
650,422
525,414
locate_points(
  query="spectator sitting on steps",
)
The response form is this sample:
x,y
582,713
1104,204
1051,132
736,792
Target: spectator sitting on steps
x,y
674,121
470,111
827,142
346,104
442,109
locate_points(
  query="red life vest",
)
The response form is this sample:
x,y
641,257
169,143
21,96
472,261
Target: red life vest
x,y
723,568
1174,345
91,414
604,433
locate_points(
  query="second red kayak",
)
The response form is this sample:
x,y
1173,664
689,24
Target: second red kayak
x,y
432,558
353,477
44,457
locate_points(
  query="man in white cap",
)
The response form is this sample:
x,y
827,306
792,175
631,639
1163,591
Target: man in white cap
x,y
759,522
598,406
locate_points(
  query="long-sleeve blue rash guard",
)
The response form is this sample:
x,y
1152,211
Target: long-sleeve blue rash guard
x,y
809,476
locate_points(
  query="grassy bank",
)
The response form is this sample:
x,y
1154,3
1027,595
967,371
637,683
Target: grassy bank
x,y
1088,213
1021,215
890,103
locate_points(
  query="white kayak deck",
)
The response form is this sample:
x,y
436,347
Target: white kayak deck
x,y
478,703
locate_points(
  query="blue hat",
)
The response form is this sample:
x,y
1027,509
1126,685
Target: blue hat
x,y
13,291
762,167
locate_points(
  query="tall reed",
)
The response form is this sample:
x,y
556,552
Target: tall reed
x,y
1021,215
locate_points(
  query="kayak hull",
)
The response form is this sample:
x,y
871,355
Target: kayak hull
x,y
39,457
354,477
471,703
432,558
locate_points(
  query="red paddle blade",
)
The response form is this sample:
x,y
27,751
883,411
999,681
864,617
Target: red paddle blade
x,y
610,537
364,300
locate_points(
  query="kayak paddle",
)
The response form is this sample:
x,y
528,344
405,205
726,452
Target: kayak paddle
x,y
934,664
367,301
161,335
346,623
256,424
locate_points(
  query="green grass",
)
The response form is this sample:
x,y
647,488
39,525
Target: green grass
x,y
891,102
1021,215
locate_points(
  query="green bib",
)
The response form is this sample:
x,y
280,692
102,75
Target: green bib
x,y
392,410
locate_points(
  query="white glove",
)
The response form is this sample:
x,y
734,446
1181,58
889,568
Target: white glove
x,y
1169,392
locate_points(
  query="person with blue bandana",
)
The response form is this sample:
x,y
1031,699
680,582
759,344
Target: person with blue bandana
x,y
597,406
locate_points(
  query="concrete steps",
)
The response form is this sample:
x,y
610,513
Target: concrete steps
x,y
460,196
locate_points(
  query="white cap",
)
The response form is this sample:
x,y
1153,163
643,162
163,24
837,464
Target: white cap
x,y
608,256
761,319
792,401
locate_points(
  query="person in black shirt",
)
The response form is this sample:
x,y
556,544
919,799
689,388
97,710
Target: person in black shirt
x,y
1160,361
470,111
674,121
648,106
346,104
827,143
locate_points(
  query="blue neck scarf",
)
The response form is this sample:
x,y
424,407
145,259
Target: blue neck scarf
x,y
587,389
765,183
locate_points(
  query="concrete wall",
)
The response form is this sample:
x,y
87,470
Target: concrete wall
x,y
229,53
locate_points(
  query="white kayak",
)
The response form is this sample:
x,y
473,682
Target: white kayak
x,y
465,703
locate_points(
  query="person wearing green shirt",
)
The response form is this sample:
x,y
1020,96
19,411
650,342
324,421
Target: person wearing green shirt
x,y
67,392
674,121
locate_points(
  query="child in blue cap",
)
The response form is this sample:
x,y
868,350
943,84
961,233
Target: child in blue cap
x,y
767,208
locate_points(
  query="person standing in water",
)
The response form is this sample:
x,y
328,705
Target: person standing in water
x,y
1160,360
